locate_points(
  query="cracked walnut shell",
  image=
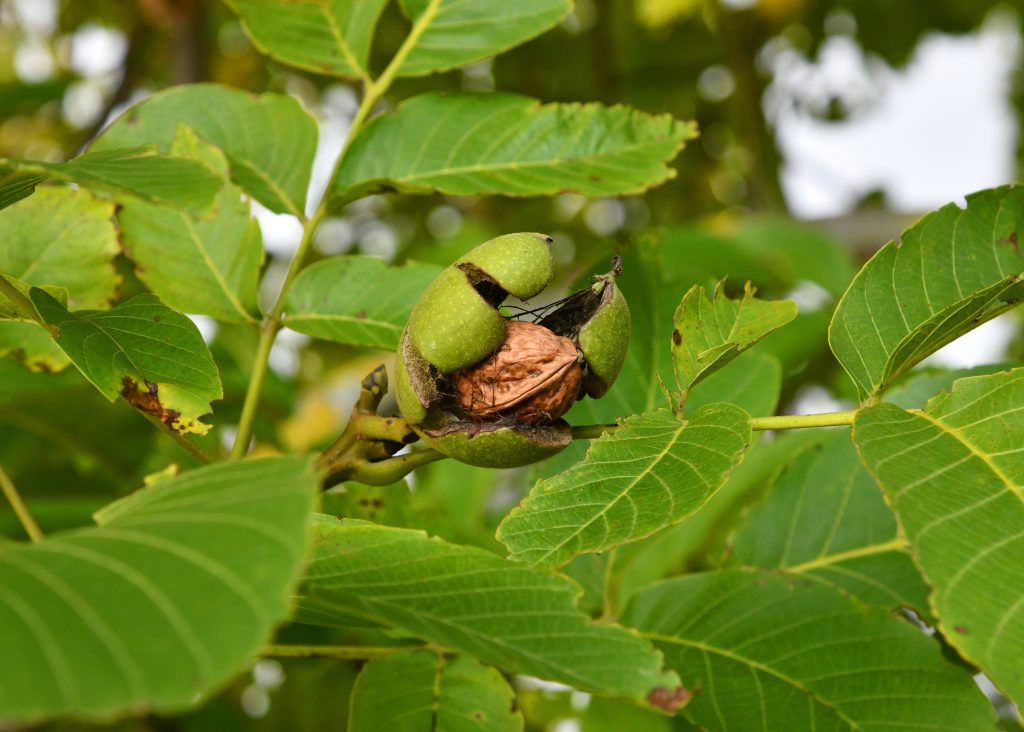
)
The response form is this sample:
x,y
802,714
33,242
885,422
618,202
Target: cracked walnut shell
x,y
534,377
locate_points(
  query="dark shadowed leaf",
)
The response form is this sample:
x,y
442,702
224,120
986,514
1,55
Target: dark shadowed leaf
x,y
418,691
801,656
824,517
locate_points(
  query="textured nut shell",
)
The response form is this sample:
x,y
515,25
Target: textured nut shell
x,y
534,376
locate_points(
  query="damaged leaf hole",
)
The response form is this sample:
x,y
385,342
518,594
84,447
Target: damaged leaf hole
x,y
148,401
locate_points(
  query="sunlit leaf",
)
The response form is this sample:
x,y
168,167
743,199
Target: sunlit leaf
x,y
455,32
522,620
824,517
952,271
135,171
208,265
477,144
355,299
421,691
710,333
329,37
63,238
269,139
143,351
651,472
953,473
177,588
801,656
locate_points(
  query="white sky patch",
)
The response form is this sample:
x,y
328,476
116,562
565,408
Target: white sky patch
x,y
985,344
97,50
924,135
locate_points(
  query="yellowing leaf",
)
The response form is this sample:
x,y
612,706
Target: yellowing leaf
x,y
143,351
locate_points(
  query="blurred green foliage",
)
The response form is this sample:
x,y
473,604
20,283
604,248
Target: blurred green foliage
x,y
723,214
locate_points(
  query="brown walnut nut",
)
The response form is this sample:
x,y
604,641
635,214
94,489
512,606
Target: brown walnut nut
x,y
534,377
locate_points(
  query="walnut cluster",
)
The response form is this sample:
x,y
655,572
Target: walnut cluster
x,y
534,377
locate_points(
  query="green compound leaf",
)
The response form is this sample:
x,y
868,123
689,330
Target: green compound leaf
x,y
710,333
522,620
801,656
955,269
135,171
63,240
953,473
455,32
825,518
329,37
162,603
142,350
269,139
209,265
416,691
475,144
653,471
356,300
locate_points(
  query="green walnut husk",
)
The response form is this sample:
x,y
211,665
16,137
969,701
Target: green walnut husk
x,y
457,323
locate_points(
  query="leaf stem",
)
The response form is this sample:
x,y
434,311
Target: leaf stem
x,y
392,470
20,509
592,431
382,84
342,653
779,422
272,323
802,421
268,332
184,442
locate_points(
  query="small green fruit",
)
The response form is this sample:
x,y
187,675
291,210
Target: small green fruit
x,y
456,325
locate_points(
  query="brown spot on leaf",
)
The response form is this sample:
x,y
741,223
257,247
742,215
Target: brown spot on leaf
x,y
596,178
361,315
156,318
148,401
961,629
669,699
677,337
1011,241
